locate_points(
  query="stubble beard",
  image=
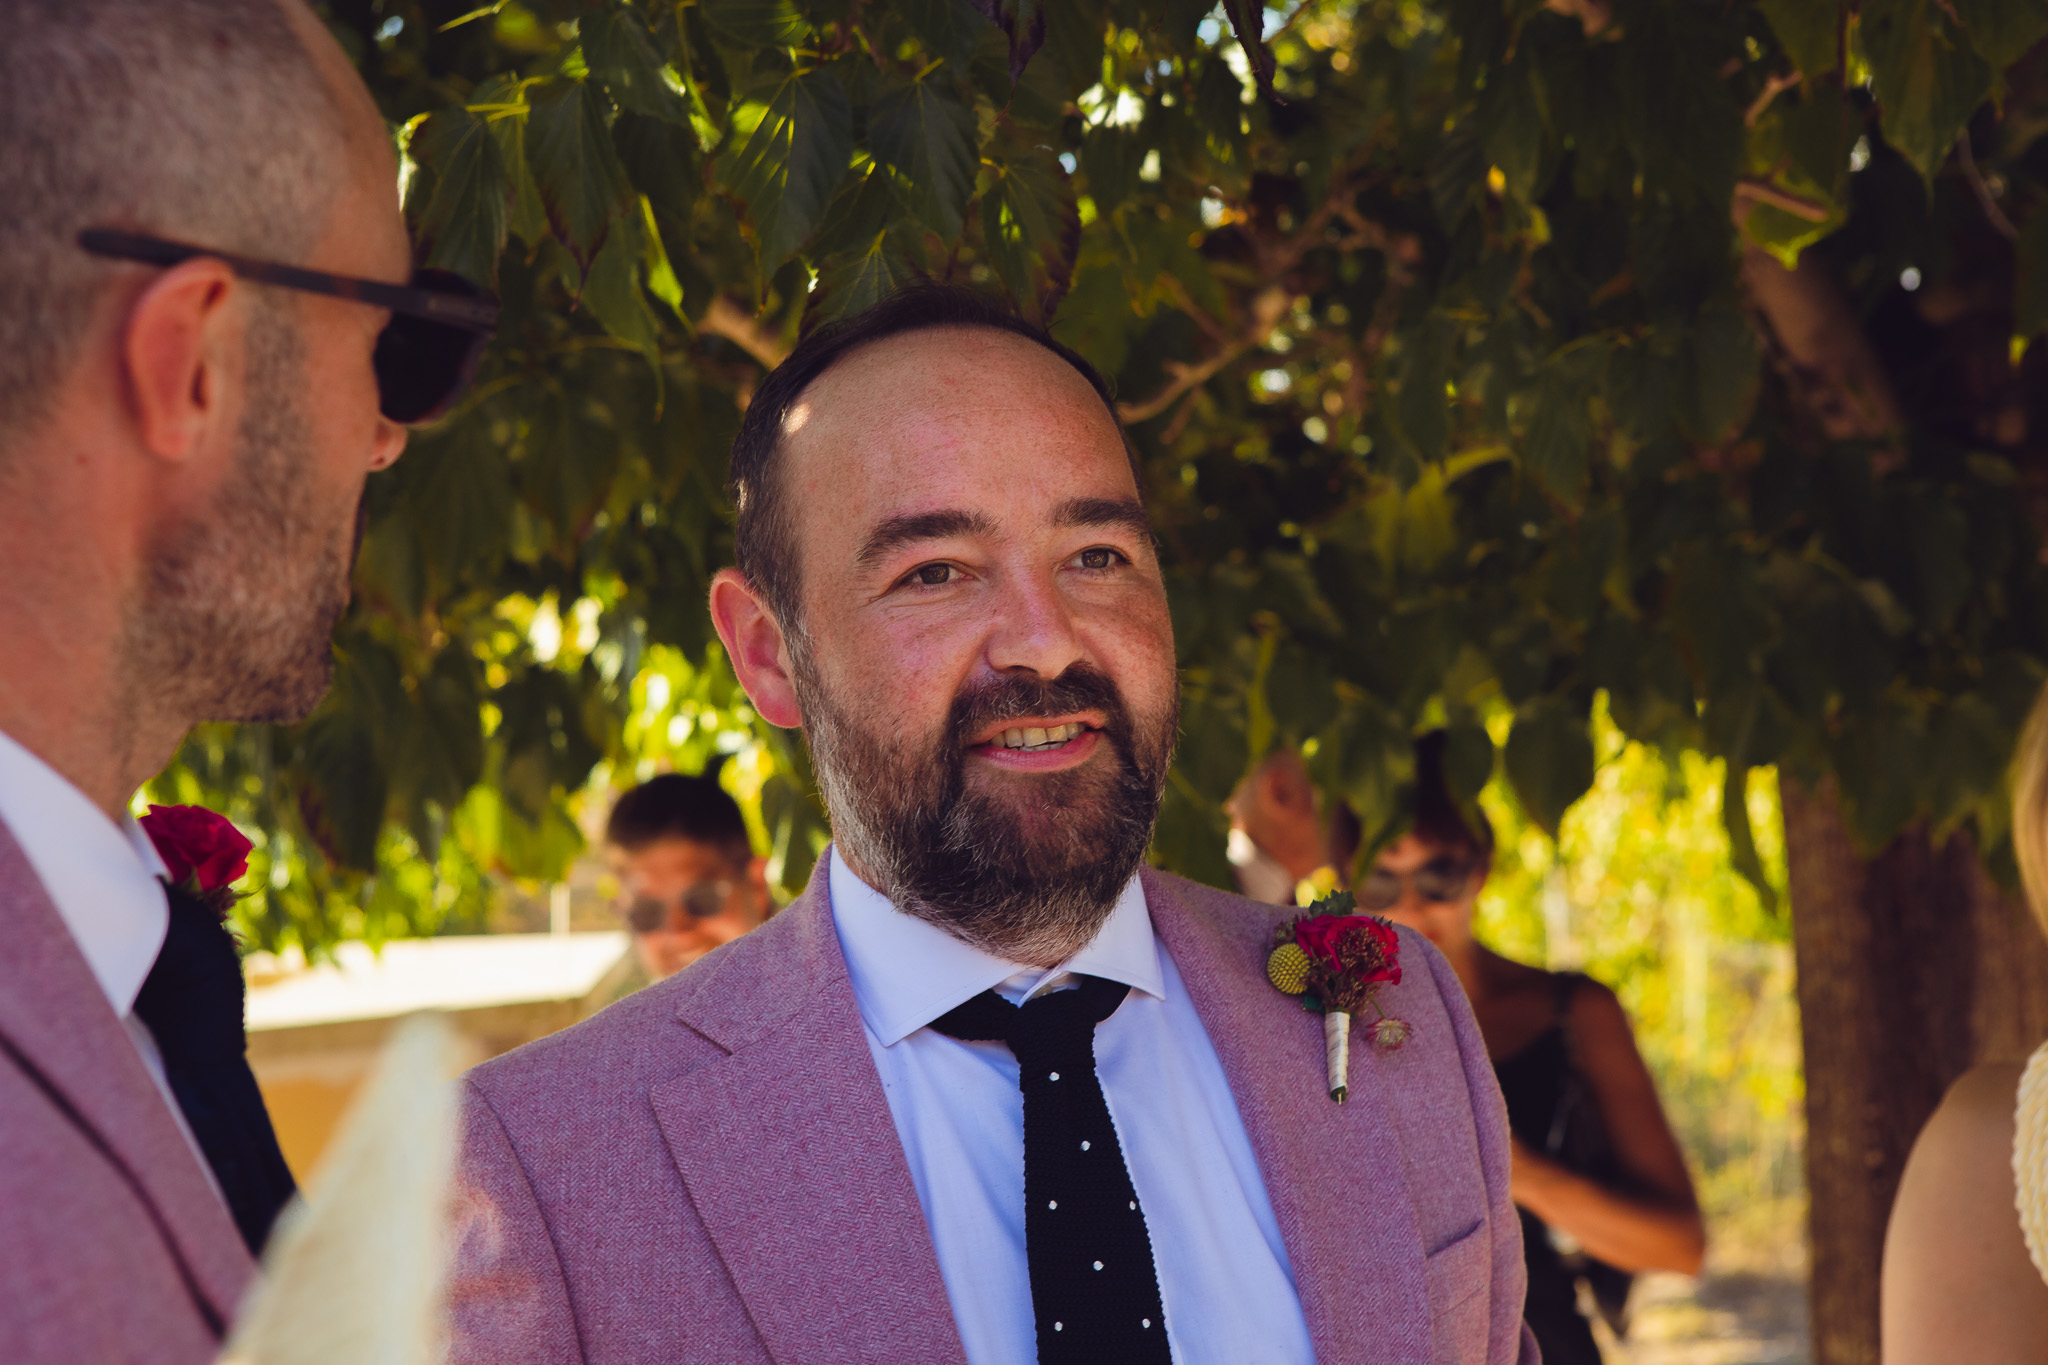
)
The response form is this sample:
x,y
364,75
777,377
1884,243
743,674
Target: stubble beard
x,y
239,606
1027,867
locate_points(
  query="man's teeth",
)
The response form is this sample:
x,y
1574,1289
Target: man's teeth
x,y
1032,737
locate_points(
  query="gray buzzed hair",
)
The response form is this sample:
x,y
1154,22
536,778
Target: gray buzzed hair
x,y
204,121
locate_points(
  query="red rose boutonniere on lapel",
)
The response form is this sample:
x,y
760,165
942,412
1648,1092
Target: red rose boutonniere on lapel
x,y
1336,960
204,853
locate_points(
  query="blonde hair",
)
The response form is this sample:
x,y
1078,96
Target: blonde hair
x,y
2030,808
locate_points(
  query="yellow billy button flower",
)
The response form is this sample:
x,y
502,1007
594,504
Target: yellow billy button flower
x,y
1287,968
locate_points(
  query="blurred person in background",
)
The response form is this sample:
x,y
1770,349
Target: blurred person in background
x,y
688,878
1966,1253
1597,1172
1279,839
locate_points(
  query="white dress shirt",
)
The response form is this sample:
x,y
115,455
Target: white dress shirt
x,y
102,877
1224,1279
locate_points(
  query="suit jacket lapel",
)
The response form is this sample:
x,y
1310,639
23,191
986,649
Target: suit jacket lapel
x,y
1333,1172
53,1013
788,1151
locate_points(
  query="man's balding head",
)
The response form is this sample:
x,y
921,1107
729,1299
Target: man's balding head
x,y
232,123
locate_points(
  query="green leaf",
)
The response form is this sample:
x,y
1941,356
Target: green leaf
x,y
1468,761
622,53
613,296
1549,759
1112,156
576,167
457,492
1422,408
1072,58
1558,441
1927,77
2003,31
794,160
926,138
1022,23
1031,225
758,23
860,280
1455,174
466,218
948,29
1720,613
1726,367
1807,30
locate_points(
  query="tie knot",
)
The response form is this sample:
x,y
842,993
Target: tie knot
x,y
1045,1029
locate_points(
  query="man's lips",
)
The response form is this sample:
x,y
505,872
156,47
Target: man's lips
x,y
993,732
1045,751
1052,758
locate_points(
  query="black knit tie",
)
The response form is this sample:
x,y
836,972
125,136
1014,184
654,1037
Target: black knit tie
x,y
192,1002
1094,1292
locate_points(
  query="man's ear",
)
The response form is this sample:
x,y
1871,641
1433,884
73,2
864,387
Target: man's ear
x,y
753,641
175,347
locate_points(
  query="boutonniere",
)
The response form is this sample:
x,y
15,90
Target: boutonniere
x,y
1335,961
204,853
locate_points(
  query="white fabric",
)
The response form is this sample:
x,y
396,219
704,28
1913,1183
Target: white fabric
x,y
102,877
2030,1157
1259,873
1224,1279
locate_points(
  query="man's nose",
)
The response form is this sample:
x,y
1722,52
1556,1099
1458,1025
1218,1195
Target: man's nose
x,y
1034,629
387,445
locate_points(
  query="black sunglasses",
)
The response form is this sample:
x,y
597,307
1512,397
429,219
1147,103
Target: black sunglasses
x,y
440,323
1442,879
645,914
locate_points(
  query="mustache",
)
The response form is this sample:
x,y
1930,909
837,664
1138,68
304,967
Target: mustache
x,y
1083,687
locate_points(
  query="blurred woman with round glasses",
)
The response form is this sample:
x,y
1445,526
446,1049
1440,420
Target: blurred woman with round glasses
x,y
1598,1175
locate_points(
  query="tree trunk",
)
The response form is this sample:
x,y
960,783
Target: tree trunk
x,y
1913,967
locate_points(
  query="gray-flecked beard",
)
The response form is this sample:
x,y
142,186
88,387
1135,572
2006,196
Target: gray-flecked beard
x,y
236,620
1028,871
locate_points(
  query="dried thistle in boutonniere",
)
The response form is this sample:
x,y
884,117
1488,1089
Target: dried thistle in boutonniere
x,y
1336,960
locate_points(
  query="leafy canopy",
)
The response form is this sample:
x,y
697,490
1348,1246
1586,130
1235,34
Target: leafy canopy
x,y
1451,404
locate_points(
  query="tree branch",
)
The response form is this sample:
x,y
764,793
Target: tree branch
x,y
727,319
1968,160
1822,349
1268,308
1273,261
1754,191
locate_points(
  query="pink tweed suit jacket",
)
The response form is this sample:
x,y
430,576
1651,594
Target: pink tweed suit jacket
x,y
113,1247
707,1171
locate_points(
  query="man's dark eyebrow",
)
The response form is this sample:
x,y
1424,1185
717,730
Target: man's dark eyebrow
x,y
896,532
1125,512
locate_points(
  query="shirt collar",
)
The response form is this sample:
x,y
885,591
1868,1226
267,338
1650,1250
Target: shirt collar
x,y
907,972
101,875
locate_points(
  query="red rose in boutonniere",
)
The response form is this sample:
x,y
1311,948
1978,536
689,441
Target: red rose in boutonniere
x,y
1336,961
203,852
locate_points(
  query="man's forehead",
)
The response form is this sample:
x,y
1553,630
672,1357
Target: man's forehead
x,y
909,418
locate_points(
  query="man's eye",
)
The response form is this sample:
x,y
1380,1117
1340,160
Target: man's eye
x,y
1099,558
933,575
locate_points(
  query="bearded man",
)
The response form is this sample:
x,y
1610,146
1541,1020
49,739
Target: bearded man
x,y
991,1090
204,352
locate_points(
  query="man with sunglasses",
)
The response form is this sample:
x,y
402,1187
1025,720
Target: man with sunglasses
x,y
207,342
688,877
